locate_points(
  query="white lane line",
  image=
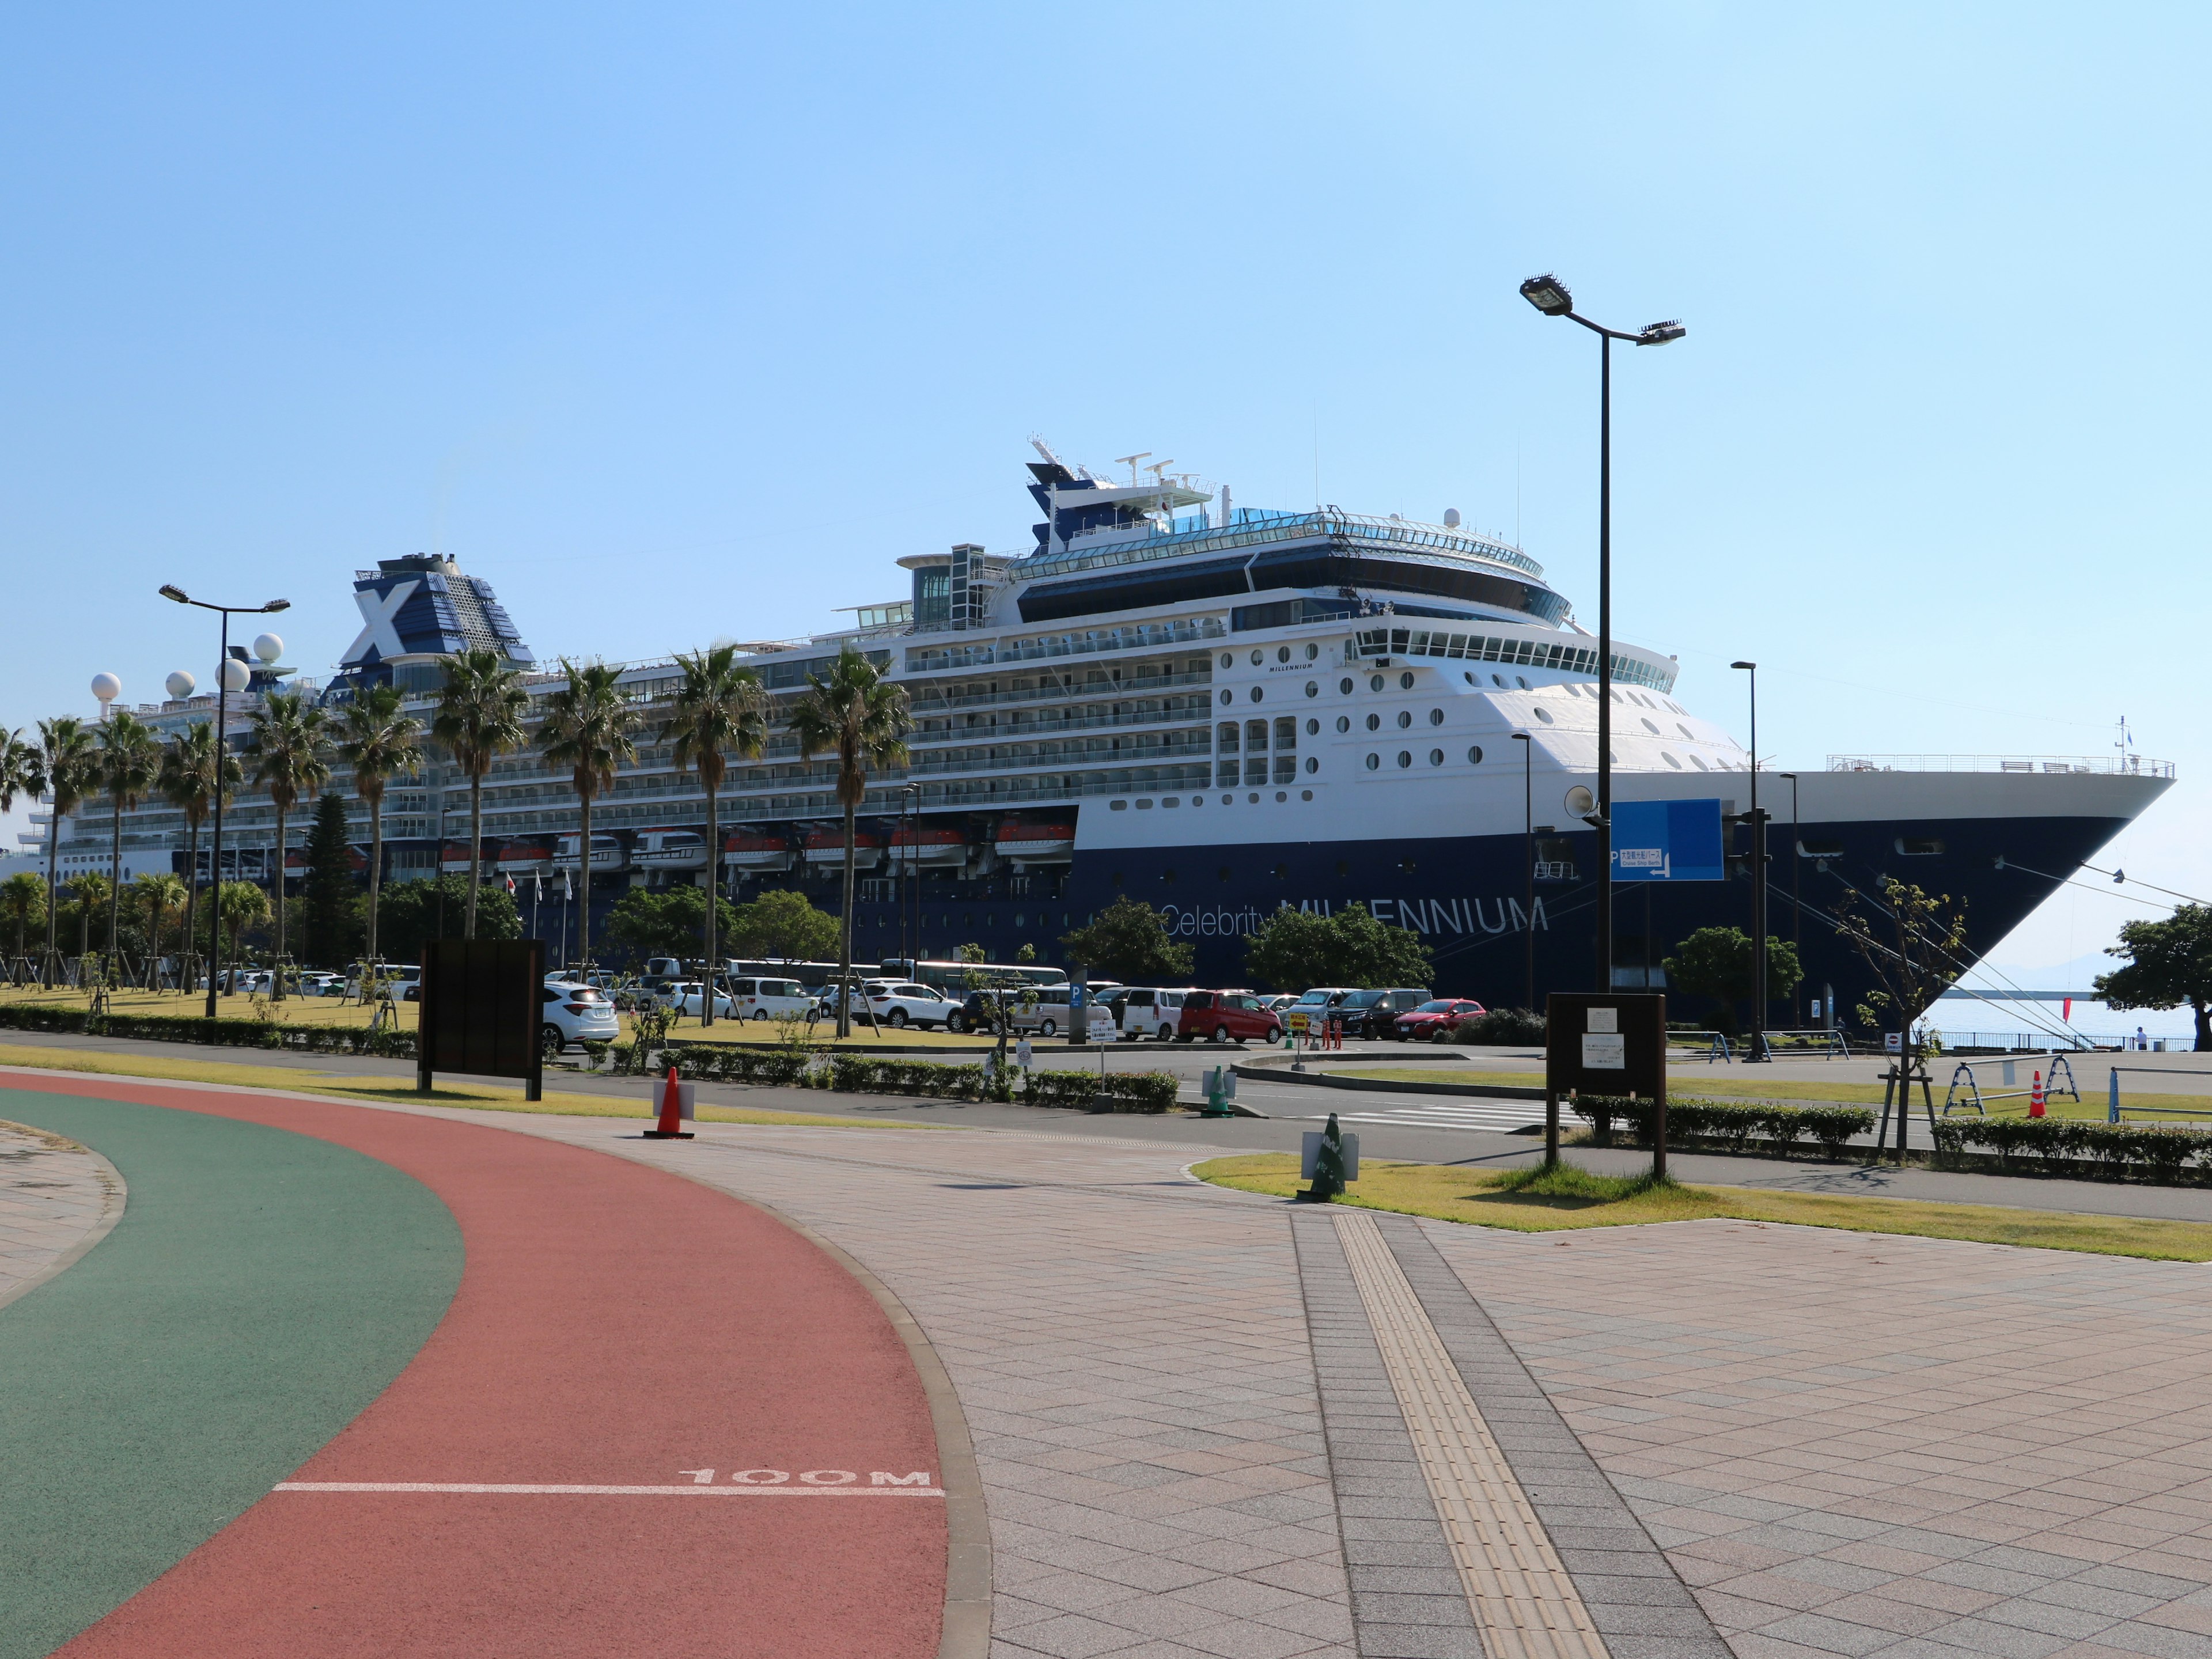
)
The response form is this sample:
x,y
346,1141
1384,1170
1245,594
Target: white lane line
x,y
497,1488
1436,1117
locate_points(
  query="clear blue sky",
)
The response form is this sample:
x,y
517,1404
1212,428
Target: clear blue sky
x,y
680,322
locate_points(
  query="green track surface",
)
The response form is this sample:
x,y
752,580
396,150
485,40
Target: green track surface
x,y
261,1289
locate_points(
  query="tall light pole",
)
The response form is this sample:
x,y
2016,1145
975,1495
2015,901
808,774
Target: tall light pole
x,y
1549,295
1528,856
1757,1050
223,677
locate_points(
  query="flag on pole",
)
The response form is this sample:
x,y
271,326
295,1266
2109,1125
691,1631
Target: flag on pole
x,y
510,884
538,887
567,892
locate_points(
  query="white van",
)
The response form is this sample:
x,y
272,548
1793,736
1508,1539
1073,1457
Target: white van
x,y
1043,1011
770,998
1150,1011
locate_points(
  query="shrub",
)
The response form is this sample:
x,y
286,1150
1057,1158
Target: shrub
x,y
2158,1151
1500,1027
219,1033
1122,1091
1732,1123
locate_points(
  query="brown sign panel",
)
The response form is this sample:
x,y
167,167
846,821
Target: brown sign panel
x,y
1599,1044
480,1009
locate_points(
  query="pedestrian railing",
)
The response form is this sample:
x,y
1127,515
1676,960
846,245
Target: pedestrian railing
x,y
2112,1093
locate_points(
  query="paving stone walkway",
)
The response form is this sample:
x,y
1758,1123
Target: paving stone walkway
x,y
54,1196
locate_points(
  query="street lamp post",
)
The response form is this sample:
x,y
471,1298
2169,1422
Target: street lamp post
x,y
909,804
1796,899
1757,1049
1549,295
1528,857
223,688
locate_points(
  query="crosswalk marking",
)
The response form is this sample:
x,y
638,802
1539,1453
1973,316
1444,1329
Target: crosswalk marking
x,y
1490,1114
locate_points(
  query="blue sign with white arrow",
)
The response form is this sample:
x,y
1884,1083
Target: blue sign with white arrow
x,y
1667,841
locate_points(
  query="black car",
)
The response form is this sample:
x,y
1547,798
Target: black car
x,y
1375,1013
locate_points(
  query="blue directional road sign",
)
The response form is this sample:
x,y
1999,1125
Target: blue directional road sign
x,y
1667,841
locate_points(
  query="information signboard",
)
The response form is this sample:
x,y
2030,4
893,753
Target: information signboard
x,y
480,1001
1609,1044
1667,841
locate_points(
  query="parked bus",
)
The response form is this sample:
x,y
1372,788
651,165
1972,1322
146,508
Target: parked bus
x,y
953,975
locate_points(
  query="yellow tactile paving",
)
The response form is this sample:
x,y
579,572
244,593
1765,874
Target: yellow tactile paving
x,y
1525,1605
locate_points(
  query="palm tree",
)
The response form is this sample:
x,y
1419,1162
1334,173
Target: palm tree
x,y
130,765
864,717
88,891
22,772
479,718
587,728
286,740
188,783
23,896
66,760
720,710
156,894
239,905
379,742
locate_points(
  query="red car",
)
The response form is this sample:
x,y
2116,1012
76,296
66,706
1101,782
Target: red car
x,y
1228,1015
1433,1021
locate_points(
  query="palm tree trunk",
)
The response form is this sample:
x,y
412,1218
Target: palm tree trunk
x,y
114,880
191,890
475,851
276,977
845,940
713,899
375,865
54,890
584,890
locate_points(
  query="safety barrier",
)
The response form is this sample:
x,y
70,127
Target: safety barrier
x,y
2112,1092
2035,1094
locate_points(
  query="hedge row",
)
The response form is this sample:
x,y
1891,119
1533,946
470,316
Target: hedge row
x,y
1124,1091
220,1033
2063,1146
1733,1124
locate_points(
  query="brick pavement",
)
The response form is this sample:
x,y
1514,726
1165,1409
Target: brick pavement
x,y
54,1197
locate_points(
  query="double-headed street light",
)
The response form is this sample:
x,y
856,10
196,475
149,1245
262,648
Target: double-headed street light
x,y
229,676
1757,1050
1549,295
1528,857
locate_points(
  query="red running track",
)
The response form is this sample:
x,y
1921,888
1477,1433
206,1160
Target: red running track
x,y
615,1325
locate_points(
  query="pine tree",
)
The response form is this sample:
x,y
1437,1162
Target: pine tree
x,y
328,901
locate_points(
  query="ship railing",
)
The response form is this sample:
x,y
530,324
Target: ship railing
x,y
1258,531
1130,637
1043,727
924,703
2097,765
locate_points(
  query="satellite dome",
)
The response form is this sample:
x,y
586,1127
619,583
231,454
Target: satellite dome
x,y
107,687
180,686
235,675
1451,518
268,647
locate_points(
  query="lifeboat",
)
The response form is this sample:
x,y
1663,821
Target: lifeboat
x,y
608,853
1037,843
526,858
929,845
827,847
749,849
670,849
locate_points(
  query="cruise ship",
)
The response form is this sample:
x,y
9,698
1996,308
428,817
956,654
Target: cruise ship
x,y
1219,710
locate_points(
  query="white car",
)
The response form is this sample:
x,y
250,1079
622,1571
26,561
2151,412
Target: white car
x,y
900,1005
686,997
1046,1013
317,983
1150,1012
574,1013
770,999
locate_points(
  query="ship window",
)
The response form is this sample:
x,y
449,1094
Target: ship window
x,y
1282,796
1313,728
1374,760
1225,694
1668,756
1255,771
1343,686
1118,806
1652,726
1544,715
1344,722
1686,731
1252,800
1913,848
1286,733
1228,661
1172,800
1497,680
1258,657
1405,718
1312,765
1313,688
1405,758
1374,682
1226,736
1436,757
1313,652
1286,768
1282,653
1820,849
1699,764
1519,682
1305,794
1374,722
1435,717
1405,680
1144,806
1227,780
1469,678
1255,734
1258,692
1475,756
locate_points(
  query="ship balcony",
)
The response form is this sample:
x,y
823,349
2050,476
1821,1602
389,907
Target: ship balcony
x,y
1104,685
1129,754
1042,723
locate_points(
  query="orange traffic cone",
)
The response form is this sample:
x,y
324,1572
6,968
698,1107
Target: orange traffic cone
x,y
672,1112
2035,1097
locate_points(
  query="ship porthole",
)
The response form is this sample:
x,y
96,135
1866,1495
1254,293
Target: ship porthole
x,y
1374,760
1305,794
1544,715
1405,758
1312,764
1436,757
1282,795
1670,760
1374,682
1435,717
1258,657
1313,728
1475,756
1343,686
1405,718
1313,652
1313,688
1282,653
1226,695
1405,680
1374,721
1258,692
1344,722
1228,661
